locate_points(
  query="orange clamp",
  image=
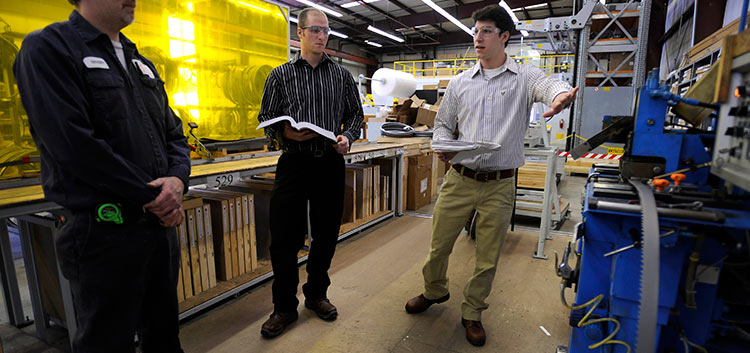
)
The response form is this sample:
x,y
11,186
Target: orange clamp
x,y
661,184
678,178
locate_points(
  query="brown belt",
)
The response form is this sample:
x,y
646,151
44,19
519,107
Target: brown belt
x,y
483,176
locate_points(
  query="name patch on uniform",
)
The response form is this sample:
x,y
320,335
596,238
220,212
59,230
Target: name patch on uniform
x,y
93,62
144,68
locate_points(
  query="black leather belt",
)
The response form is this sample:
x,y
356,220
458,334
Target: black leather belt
x,y
483,176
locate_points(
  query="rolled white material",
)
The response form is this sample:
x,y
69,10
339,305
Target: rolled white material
x,y
387,82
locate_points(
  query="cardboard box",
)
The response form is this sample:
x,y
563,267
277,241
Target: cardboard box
x,y
418,186
416,102
443,83
426,87
616,58
426,114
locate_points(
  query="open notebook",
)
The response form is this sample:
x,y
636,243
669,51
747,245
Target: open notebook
x,y
299,126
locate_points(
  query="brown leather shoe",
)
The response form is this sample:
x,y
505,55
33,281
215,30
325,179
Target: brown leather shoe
x,y
420,303
276,324
323,308
474,332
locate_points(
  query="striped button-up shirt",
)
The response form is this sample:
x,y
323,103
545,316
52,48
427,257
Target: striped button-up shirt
x,y
325,95
494,110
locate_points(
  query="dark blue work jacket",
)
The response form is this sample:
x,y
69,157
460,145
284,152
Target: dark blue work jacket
x,y
103,130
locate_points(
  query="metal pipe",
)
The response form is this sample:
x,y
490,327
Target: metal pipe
x,y
709,216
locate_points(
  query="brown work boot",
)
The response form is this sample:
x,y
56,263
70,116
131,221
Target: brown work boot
x,y
474,332
276,324
323,308
420,303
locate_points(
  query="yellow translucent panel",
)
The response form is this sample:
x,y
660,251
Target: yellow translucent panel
x,y
195,114
178,99
214,57
173,24
191,98
255,7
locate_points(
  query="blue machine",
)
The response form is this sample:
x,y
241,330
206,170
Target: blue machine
x,y
704,253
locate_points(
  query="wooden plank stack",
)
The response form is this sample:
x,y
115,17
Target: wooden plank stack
x,y
197,271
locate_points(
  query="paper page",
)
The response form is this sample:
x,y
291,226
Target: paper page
x,y
323,132
299,126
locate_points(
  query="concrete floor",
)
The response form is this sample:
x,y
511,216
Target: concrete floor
x,y
373,276
374,273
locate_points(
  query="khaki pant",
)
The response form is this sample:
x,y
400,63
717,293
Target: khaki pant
x,y
459,195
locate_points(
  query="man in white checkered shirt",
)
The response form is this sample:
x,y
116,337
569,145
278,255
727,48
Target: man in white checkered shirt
x,y
489,103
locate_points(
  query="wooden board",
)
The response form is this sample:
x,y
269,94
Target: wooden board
x,y
187,281
180,285
350,194
195,269
712,42
220,230
210,255
583,165
26,194
385,194
241,239
247,242
20,195
532,175
349,226
251,225
261,191
360,193
375,188
200,230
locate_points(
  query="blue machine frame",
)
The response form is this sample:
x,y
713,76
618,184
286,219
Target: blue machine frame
x,y
695,310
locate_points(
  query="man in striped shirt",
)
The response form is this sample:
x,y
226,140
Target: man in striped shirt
x,y
310,88
489,103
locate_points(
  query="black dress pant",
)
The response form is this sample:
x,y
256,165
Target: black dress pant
x,y
123,278
302,177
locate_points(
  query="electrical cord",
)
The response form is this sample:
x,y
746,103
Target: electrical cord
x,y
593,303
687,344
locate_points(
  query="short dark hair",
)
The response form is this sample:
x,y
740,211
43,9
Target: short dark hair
x,y
497,15
302,15
74,2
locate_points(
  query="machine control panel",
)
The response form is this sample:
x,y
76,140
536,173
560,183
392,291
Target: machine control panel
x,y
731,158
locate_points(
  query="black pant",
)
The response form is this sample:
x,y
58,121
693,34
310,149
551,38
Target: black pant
x,y
124,280
301,177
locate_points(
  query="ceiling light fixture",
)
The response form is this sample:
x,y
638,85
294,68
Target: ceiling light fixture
x,y
384,34
321,8
339,34
355,3
374,44
448,16
529,7
512,15
293,19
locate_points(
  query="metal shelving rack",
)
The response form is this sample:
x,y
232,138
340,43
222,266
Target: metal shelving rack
x,y
606,93
35,213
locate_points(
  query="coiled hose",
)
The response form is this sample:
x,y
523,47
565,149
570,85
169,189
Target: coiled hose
x,y
396,130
